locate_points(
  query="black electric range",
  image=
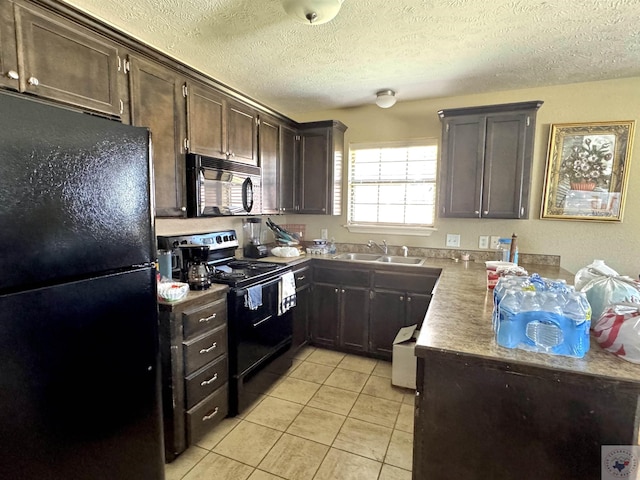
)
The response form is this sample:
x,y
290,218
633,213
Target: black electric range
x,y
259,336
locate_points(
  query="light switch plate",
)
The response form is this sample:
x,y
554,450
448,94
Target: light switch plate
x,y
453,240
483,241
493,244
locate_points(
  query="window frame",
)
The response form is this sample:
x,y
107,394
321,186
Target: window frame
x,y
389,228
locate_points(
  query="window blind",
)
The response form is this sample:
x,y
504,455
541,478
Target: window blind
x,y
393,183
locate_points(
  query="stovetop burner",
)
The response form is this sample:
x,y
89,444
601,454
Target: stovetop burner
x,y
246,264
234,275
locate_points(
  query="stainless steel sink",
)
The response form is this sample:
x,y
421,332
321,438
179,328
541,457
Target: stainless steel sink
x,y
365,257
401,260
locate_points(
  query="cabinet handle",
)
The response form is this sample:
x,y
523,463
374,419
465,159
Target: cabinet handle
x,y
207,350
342,290
210,381
13,75
522,211
401,298
33,81
121,107
477,212
486,212
207,319
408,299
301,277
183,209
211,415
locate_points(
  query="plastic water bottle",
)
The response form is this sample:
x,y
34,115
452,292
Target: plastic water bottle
x,y
530,302
551,303
575,309
507,327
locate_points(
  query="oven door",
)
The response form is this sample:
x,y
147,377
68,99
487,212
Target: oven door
x,y
256,335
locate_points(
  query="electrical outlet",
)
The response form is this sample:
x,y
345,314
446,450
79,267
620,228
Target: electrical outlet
x,y
493,244
453,240
483,241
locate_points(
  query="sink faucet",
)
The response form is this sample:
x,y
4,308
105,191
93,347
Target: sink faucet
x,y
372,244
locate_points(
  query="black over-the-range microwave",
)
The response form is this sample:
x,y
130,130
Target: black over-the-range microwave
x,y
217,187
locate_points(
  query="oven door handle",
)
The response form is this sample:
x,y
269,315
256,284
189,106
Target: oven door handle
x,y
243,291
262,321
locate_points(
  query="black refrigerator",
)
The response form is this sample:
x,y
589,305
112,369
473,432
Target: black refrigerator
x,y
79,380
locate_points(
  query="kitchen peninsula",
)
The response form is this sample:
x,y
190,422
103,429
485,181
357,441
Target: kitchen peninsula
x,y
484,411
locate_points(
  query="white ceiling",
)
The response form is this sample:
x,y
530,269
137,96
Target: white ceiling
x,y
420,48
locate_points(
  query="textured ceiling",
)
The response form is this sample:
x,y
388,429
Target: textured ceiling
x,y
420,48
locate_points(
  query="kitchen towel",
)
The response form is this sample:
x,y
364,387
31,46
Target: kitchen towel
x,y
253,297
286,293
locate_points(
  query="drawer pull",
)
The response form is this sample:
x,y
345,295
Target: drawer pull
x,y
211,415
207,319
207,350
210,381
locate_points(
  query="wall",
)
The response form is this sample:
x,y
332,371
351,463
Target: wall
x,y
576,242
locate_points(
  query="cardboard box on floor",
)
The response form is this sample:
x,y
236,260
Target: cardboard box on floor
x,y
404,362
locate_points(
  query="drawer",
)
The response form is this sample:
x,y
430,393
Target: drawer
x,y
207,414
204,318
205,381
302,276
204,349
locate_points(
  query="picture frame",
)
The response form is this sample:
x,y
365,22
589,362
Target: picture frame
x,y
587,171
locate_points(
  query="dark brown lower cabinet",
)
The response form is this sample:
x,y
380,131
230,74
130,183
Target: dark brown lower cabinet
x,y
302,310
326,310
341,317
479,419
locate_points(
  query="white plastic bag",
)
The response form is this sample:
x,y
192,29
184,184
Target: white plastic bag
x,y
605,290
592,271
618,331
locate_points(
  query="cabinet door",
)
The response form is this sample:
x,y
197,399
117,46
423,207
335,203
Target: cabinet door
x,y
288,169
157,103
314,171
301,317
205,109
269,139
326,303
462,166
417,305
64,62
388,311
507,167
8,53
242,133
354,319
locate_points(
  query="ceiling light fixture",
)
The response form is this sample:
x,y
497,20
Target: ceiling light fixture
x,y
312,12
386,98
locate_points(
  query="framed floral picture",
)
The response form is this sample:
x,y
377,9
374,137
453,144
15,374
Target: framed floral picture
x,y
587,171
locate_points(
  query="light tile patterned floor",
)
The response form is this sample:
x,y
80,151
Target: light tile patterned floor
x,y
333,416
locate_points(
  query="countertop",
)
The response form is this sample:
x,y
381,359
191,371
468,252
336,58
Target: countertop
x,y
459,322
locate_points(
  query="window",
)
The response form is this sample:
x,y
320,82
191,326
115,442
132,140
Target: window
x,y
393,184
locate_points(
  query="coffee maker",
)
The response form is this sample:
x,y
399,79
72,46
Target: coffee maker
x,y
195,269
253,248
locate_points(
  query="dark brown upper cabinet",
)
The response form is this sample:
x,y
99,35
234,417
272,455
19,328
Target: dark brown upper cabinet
x,y
289,153
157,102
486,159
205,120
62,61
269,154
241,133
8,52
320,167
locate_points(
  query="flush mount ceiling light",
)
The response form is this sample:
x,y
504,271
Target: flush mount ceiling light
x,y
386,98
312,12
